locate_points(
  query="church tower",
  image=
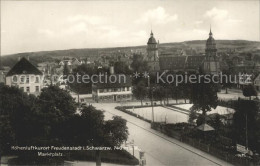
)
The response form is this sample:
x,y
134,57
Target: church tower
x,y
152,53
211,49
211,62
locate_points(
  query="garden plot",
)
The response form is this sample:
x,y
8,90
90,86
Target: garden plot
x,y
220,110
161,114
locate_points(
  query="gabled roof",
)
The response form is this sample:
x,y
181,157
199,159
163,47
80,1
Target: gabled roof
x,y
205,127
24,67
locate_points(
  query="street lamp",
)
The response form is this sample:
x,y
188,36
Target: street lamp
x,y
149,84
133,146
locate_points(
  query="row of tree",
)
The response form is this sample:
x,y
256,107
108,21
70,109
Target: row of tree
x,y
51,119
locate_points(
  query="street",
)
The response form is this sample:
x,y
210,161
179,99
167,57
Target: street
x,y
159,149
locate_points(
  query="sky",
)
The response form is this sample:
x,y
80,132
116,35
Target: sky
x,y
28,26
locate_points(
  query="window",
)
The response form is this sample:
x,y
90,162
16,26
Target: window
x,y
37,80
128,88
22,79
22,88
15,79
27,89
27,79
37,88
101,90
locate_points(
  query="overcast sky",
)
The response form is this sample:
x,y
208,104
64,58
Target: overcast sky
x,y
38,26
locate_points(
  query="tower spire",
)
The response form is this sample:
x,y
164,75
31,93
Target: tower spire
x,y
151,33
210,33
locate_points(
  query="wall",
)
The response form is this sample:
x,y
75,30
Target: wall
x,y
32,83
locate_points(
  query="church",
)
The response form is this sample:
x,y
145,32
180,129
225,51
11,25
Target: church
x,y
208,63
152,53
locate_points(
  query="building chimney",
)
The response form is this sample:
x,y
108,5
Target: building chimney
x,y
111,70
19,58
28,57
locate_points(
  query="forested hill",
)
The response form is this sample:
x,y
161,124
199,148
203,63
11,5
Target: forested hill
x,y
95,53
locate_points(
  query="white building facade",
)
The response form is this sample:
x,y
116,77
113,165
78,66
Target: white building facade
x,y
26,77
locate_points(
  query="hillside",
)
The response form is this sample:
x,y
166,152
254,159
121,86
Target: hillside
x,y
94,53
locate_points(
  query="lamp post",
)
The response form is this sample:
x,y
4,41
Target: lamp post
x,y
149,85
152,106
246,134
133,146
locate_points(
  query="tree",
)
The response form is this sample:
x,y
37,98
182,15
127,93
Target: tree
x,y
249,91
192,116
226,83
16,108
140,91
215,121
117,130
57,101
122,68
245,122
95,131
176,92
82,85
66,70
50,119
159,93
7,137
139,64
92,126
204,96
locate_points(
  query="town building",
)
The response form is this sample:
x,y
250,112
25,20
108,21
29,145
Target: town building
x,y
115,89
71,63
152,53
25,76
47,68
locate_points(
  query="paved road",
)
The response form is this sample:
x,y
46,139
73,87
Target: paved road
x,y
159,149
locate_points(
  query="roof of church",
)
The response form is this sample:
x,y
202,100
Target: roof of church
x,y
151,40
24,67
181,62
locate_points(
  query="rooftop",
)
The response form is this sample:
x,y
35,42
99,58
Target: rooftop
x,y
24,67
